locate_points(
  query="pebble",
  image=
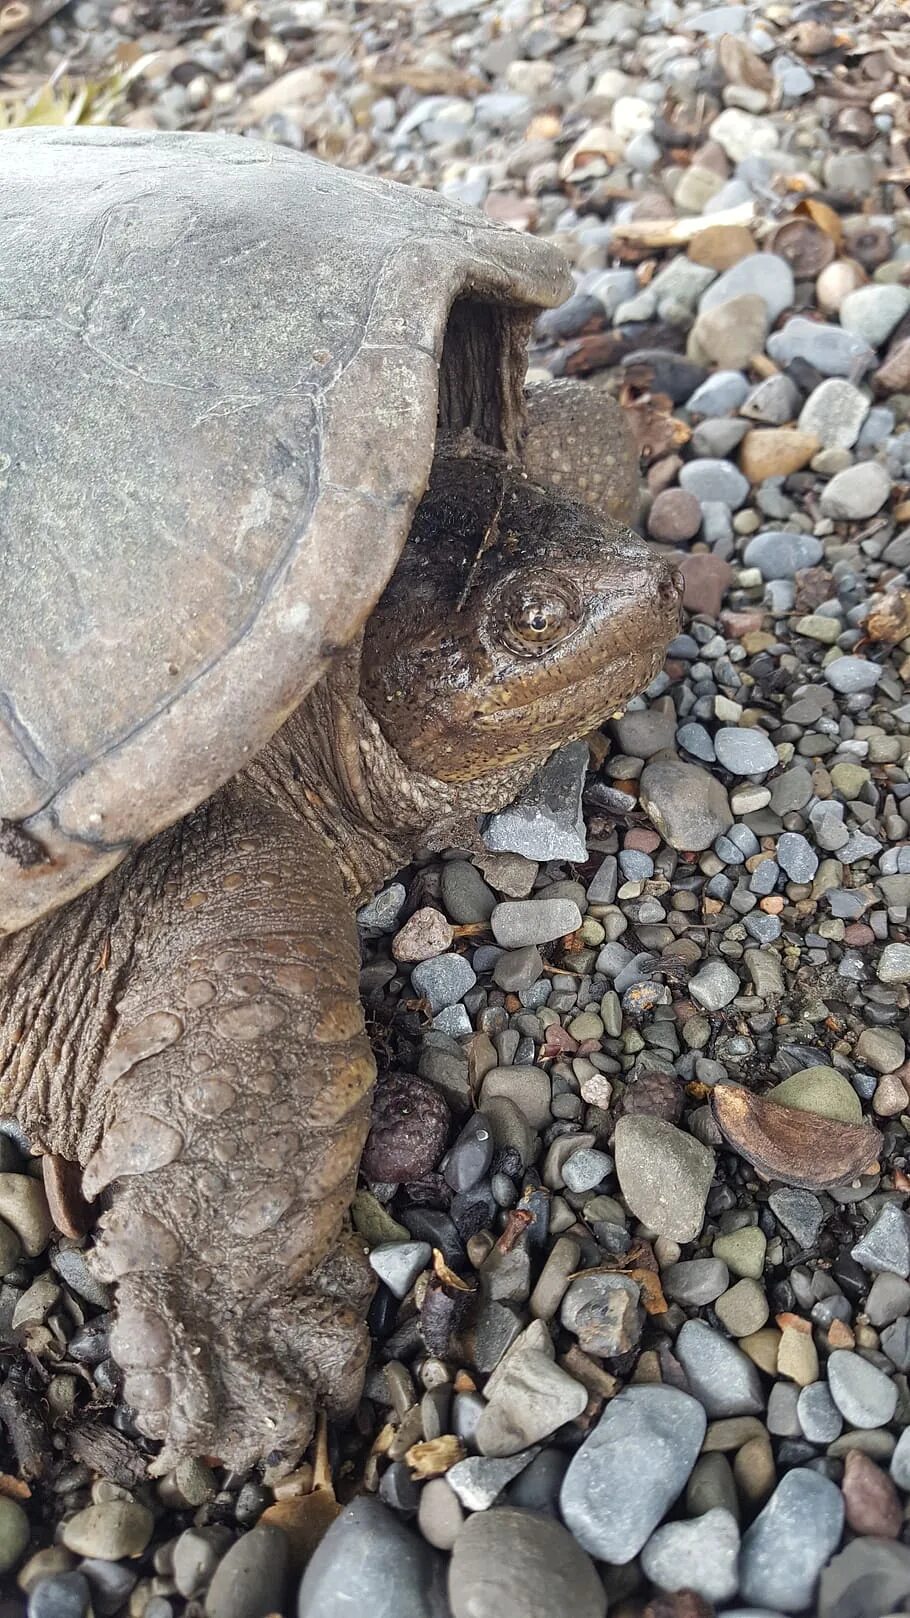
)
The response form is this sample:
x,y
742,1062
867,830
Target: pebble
x,y
546,821
886,1244
15,1533
664,1175
675,516
701,1555
518,922
480,1479
369,1561
630,1469
63,1595
872,312
819,1418
23,1205
742,1251
696,1281
714,480
871,1577
109,1530
781,555
688,806
439,1514
718,1373
714,986
790,1541
467,897
743,1309
398,1264
829,349
864,1395
532,1398
822,1090
857,492
894,964
443,981
197,1552
510,1563
871,1501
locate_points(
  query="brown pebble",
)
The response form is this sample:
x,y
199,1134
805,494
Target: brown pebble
x,y
858,935
643,838
769,452
706,578
731,333
755,1472
893,376
674,516
721,246
871,1501
424,935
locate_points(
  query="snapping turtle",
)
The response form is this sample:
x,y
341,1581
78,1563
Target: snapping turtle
x,y
240,385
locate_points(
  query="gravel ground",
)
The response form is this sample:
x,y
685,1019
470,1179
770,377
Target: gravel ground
x,y
637,1185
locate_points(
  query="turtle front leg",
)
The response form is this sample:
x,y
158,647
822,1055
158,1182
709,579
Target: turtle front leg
x,y
229,1114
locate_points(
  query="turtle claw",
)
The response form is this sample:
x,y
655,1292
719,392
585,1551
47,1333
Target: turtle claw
x,y
207,1375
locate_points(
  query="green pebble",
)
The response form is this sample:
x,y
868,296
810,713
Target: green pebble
x,y
743,1309
696,1031
586,1026
591,931
14,1533
611,1012
743,1251
821,1090
848,780
817,627
373,1223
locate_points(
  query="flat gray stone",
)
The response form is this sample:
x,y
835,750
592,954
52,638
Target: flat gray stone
x,y
546,822
790,1541
517,922
695,1281
781,555
867,1580
479,1479
856,493
765,274
714,985
886,1244
830,349
368,1562
664,1175
631,1468
835,412
720,1375
510,1563
532,1398
700,1555
249,1581
819,1418
689,807
443,980
864,1395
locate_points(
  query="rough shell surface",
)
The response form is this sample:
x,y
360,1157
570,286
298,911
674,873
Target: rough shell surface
x,y
221,363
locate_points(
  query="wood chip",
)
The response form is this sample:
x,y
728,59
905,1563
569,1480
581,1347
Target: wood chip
x,y
434,1456
108,1453
786,1143
305,1519
670,232
19,18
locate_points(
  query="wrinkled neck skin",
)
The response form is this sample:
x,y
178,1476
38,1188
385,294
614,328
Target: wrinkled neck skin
x,y
331,764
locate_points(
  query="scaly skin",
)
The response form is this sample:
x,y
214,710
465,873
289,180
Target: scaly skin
x,y
190,1031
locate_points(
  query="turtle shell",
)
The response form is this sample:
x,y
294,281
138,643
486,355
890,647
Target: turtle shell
x,y
223,366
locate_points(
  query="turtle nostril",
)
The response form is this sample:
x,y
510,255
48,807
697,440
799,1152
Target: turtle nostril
x,y
671,587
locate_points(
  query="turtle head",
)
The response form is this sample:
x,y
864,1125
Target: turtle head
x,y
516,621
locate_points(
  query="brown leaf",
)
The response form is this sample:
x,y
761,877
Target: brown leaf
x,y
305,1519
824,217
14,1488
889,620
786,1143
434,1457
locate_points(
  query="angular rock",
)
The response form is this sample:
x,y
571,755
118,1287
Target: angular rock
x,y
664,1175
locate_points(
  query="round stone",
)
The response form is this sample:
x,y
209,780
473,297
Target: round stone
x,y
743,1309
851,675
409,1128
745,750
720,1375
715,480
675,516
763,275
688,806
780,555
368,1562
822,1090
15,1533
872,312
834,413
109,1530
518,922
510,1563
63,1595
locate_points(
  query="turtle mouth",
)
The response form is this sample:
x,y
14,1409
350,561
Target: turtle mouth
x,y
573,704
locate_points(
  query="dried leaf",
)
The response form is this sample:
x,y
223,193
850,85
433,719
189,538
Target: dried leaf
x,y
824,217
889,619
786,1143
14,1488
305,1519
434,1456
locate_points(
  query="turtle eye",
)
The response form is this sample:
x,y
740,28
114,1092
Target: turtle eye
x,y
539,620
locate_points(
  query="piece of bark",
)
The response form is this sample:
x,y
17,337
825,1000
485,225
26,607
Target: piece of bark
x,y
108,1453
21,1415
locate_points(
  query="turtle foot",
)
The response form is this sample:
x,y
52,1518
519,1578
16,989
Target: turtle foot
x,y
209,1376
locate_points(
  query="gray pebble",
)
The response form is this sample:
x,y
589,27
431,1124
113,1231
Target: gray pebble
x,y
745,750
780,555
664,1175
790,1541
368,1562
689,807
800,1212
849,675
510,1563
796,856
465,894
819,1418
864,1395
894,964
532,1397
830,349
63,1595
765,274
479,1479
517,922
695,1281
872,312
443,980
546,821
249,1581
720,1375
585,1169
197,1552
714,986
715,480
886,1244
630,1469
856,493
700,1555
835,412
398,1264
